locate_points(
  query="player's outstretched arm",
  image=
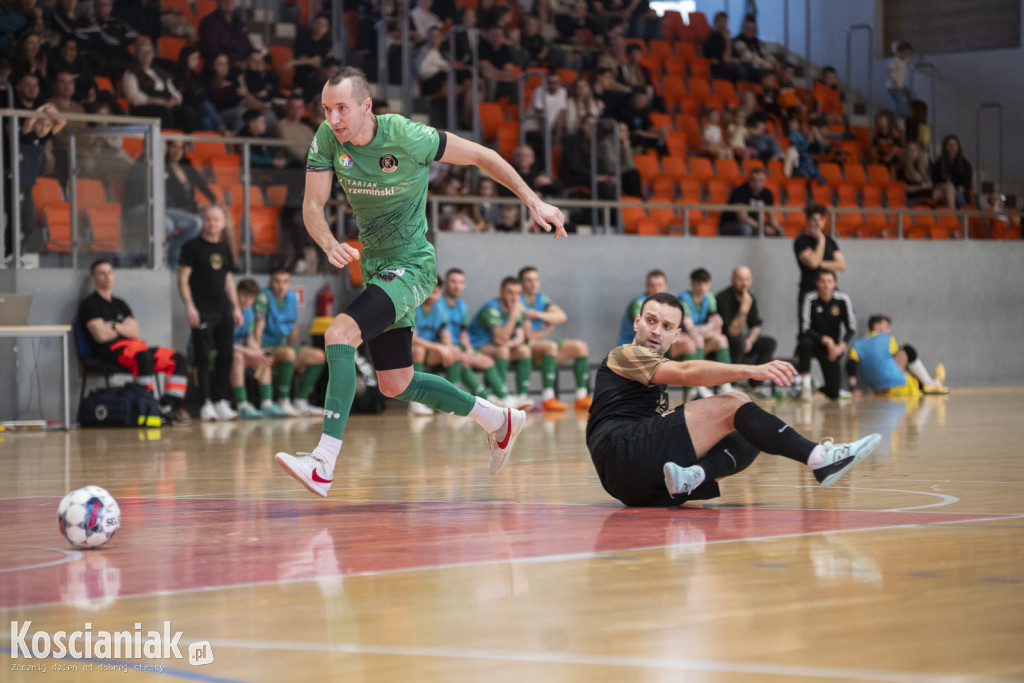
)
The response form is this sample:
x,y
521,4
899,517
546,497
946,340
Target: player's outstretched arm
x,y
697,373
467,153
318,191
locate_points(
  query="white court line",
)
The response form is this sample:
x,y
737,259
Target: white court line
x,y
542,559
661,663
945,499
69,556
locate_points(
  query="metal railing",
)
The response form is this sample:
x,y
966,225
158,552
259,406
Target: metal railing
x,y
933,73
474,45
977,143
852,29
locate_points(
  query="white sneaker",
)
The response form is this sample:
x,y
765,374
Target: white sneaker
x,y
704,392
419,410
285,404
309,469
522,402
845,395
501,441
682,480
208,413
840,457
224,411
724,388
303,407
807,392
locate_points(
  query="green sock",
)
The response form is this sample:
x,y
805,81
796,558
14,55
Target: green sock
x,y
308,380
341,388
723,355
266,392
285,372
548,371
501,367
696,355
240,395
419,367
581,368
437,393
469,379
453,373
523,369
496,380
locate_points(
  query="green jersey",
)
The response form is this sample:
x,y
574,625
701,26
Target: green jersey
x,y
385,181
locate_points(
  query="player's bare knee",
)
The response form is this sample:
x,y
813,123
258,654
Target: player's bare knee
x,y
390,385
343,330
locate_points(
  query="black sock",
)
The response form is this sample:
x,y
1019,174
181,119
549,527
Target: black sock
x,y
770,434
731,455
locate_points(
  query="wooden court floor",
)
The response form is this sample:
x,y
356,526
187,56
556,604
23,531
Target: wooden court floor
x,y
421,567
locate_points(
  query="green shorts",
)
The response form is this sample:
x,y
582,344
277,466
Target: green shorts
x,y
406,275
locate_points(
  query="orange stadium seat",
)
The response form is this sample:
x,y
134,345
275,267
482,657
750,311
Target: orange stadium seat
x,y
831,172
57,218
878,174
856,174
662,49
675,167
105,227
821,194
90,192
700,68
508,138
729,170
169,47
46,191
689,189
647,166
647,226
264,230
847,194
664,188
491,115
631,215
699,24
796,191
872,195
700,168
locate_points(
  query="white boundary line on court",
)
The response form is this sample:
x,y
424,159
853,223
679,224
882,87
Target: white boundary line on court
x,y
541,559
69,556
661,663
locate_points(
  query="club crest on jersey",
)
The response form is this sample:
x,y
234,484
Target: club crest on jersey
x,y
835,311
389,163
346,161
389,274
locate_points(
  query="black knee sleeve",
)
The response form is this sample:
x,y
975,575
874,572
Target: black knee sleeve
x,y
911,353
731,455
373,311
392,349
145,362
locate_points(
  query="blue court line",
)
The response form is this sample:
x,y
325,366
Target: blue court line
x,y
167,671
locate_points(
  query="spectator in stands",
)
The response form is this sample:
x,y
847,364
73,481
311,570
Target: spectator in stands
x,y
264,157
259,87
538,51
578,28
736,133
886,141
718,48
312,45
887,367
431,66
703,326
605,93
789,98
714,137
800,153
741,321
151,90
174,24
223,92
896,78
276,311
916,128
63,91
768,101
103,156
496,66
619,137
654,283
632,72
497,331
208,291
636,113
223,31
297,130
581,104
329,67
744,223
524,160
113,335
827,326
12,23
815,251
952,175
67,22
913,170
432,345
68,59
761,141
424,19
30,58
193,92
547,112
510,220
541,316
109,38
828,98
35,150
752,52
26,92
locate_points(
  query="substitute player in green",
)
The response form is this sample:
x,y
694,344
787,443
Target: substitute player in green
x,y
382,163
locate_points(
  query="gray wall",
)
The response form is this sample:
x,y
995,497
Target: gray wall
x,y
961,303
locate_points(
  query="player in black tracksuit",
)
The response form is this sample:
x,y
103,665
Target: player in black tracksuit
x,y
827,327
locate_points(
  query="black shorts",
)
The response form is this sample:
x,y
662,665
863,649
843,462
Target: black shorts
x,y
630,458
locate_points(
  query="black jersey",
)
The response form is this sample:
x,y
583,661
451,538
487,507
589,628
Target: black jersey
x,y
833,318
210,263
95,306
623,392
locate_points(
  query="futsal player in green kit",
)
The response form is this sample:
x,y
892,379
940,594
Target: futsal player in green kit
x,y
382,164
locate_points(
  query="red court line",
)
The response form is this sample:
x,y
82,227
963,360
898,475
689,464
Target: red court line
x,y
176,544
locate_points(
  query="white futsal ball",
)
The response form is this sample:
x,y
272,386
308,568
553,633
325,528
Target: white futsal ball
x,y
88,517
